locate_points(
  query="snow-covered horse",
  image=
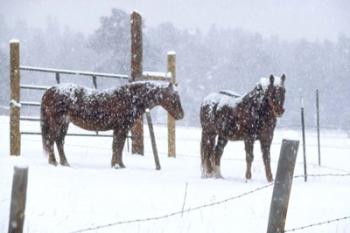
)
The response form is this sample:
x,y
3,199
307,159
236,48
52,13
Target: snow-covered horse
x,y
251,117
113,109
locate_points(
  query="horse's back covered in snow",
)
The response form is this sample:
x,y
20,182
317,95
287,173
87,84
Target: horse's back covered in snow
x,y
226,116
99,110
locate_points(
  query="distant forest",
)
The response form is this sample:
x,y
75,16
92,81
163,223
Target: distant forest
x,y
217,59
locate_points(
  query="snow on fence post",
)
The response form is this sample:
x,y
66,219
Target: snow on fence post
x,y
18,200
15,107
136,74
171,121
282,186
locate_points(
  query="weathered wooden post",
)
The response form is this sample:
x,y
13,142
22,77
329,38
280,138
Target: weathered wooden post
x,y
282,186
318,128
15,107
136,74
18,200
153,139
171,121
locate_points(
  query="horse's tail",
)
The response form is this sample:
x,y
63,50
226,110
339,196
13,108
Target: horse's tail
x,y
202,142
202,149
44,124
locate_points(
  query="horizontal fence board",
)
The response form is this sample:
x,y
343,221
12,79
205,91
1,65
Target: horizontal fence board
x,y
71,134
28,118
158,76
30,103
33,87
74,72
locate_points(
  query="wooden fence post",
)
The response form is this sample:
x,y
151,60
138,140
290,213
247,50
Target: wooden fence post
x,y
18,200
136,74
15,107
282,186
153,139
171,121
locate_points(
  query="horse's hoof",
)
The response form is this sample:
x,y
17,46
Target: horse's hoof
x,y
53,162
118,166
248,175
219,176
269,178
66,164
206,175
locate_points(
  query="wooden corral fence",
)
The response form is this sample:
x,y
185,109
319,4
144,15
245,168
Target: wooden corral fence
x,y
137,74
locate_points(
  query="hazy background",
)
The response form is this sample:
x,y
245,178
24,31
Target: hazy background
x,y
220,45
312,19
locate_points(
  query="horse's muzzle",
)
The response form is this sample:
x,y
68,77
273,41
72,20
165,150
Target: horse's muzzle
x,y
279,112
179,116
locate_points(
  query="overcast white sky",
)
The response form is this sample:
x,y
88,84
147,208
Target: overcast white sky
x,y
311,19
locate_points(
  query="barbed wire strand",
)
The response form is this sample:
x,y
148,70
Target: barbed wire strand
x,y
174,213
318,224
323,175
201,206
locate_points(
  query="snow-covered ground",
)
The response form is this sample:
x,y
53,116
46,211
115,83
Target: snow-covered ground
x,y
90,193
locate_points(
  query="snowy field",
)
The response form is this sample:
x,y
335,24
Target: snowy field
x,y
90,193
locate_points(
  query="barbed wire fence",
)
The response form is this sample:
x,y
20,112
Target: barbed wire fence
x,y
188,210
216,203
318,224
191,209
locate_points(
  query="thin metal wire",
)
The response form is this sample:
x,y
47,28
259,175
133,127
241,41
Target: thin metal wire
x,y
174,213
318,224
208,205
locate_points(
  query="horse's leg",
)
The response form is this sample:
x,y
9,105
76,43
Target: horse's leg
x,y
219,150
249,147
117,147
50,150
47,136
48,144
265,148
203,156
207,151
60,143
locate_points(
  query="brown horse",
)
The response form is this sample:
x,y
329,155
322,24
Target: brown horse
x,y
251,117
114,109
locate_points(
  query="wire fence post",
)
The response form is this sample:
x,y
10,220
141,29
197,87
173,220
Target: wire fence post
x,y
318,128
171,121
282,186
153,139
136,74
303,135
18,200
58,78
15,107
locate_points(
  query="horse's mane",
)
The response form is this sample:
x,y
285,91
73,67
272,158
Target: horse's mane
x,y
256,94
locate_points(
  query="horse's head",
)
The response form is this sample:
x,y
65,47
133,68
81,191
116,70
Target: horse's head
x,y
171,102
275,94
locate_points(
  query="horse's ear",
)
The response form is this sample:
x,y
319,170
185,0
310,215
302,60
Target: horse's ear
x,y
272,79
283,78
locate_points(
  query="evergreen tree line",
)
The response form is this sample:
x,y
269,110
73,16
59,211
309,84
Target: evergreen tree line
x,y
213,60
